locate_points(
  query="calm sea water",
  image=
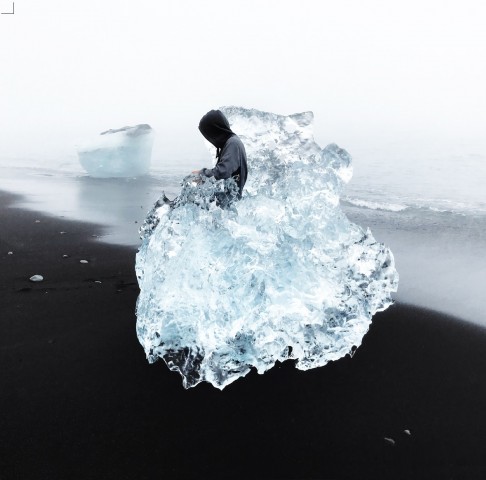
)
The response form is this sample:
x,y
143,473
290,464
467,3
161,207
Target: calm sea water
x,y
391,177
450,179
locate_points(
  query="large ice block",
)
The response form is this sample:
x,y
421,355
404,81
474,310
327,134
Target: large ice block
x,y
123,152
280,274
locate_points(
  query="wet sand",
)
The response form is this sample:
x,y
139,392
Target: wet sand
x,y
79,400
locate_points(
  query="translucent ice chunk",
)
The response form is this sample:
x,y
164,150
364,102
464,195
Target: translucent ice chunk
x,y
280,274
125,152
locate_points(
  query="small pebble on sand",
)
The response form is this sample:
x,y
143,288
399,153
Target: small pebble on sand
x,y
65,256
407,432
389,441
83,261
36,278
10,253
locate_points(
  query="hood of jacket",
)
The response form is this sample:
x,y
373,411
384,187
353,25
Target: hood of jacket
x,y
215,128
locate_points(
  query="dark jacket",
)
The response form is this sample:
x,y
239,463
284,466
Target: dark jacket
x,y
230,151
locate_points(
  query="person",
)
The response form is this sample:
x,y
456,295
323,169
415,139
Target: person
x,y
230,151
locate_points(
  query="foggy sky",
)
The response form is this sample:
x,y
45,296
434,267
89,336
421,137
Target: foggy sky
x,y
369,70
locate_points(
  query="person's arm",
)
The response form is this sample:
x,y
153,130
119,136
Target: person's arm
x,y
227,165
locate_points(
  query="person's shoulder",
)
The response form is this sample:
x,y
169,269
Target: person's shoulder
x,y
235,141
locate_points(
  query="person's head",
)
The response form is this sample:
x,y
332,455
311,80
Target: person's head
x,y
215,128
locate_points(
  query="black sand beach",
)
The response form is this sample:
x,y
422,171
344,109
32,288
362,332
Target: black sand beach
x,y
78,399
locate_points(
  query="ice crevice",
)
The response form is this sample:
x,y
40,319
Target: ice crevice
x,y
228,285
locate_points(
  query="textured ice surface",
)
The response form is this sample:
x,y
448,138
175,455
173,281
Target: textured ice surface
x,y
124,152
281,274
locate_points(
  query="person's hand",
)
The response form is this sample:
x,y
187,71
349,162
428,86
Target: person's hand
x,y
197,172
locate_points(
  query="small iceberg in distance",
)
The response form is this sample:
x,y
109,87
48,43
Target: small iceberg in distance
x,y
122,152
280,274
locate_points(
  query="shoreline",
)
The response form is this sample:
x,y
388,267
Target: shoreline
x,y
439,256
79,399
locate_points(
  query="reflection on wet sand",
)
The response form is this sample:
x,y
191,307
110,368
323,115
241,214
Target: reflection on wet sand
x,y
119,204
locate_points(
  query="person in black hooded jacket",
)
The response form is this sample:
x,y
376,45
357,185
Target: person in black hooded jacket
x,y
230,151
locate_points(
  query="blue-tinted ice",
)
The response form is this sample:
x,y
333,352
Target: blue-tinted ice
x,y
280,274
122,152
